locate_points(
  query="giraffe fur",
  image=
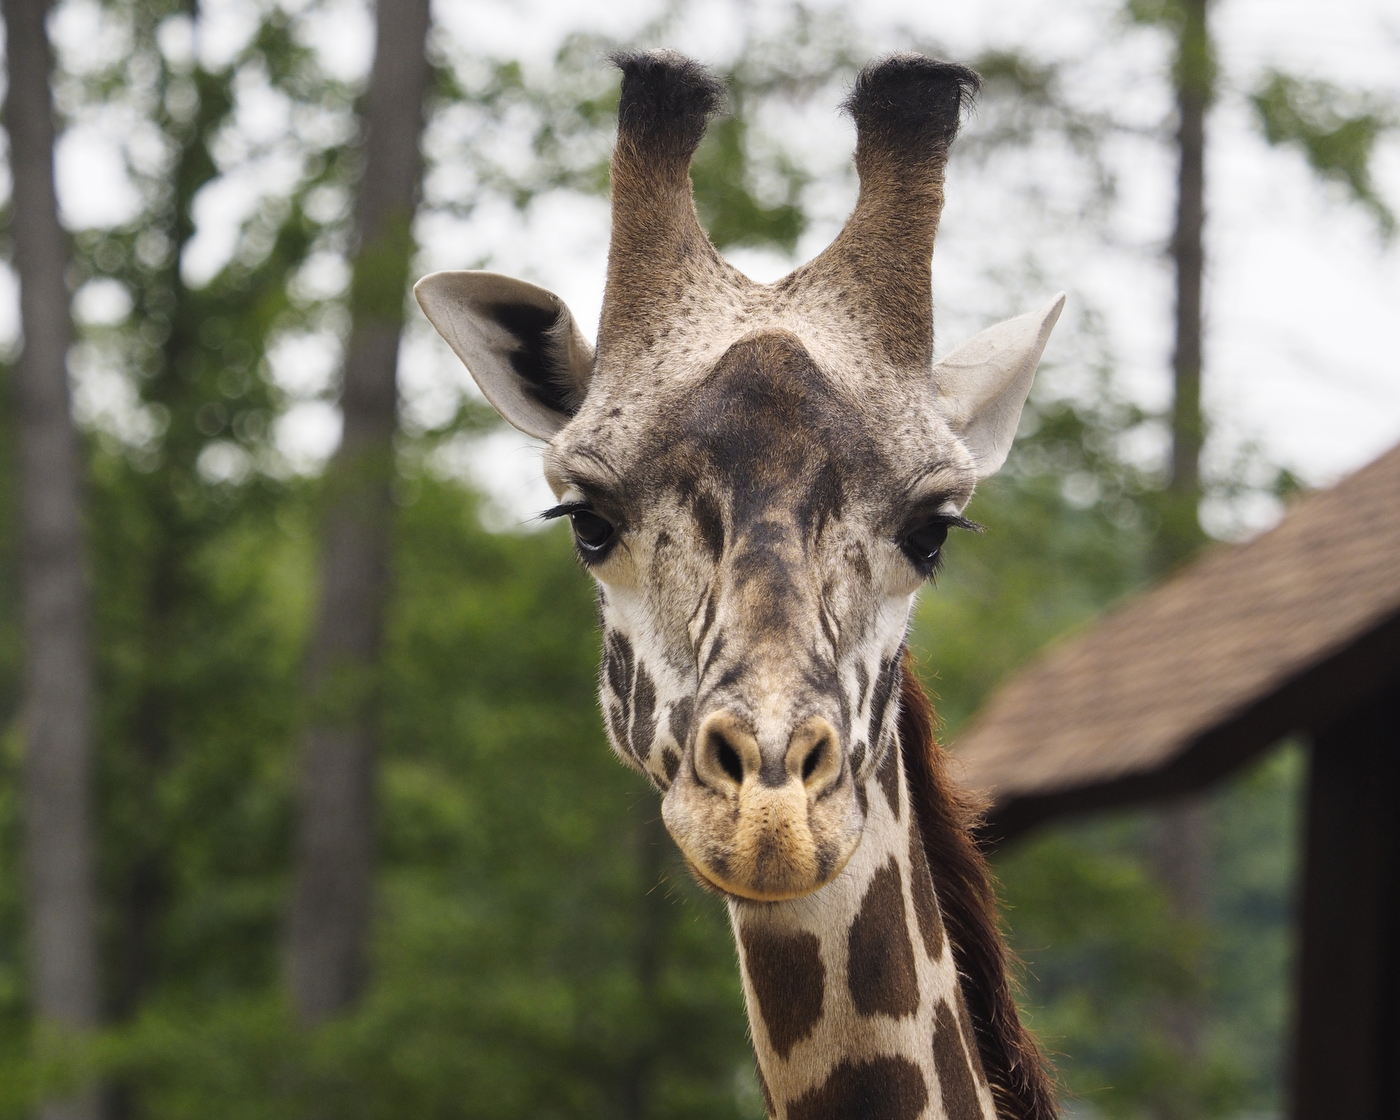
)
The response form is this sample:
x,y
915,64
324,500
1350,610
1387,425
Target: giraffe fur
x,y
760,478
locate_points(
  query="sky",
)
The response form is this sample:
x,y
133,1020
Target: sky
x,y
1302,298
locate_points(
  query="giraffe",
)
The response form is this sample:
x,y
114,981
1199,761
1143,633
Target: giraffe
x,y
760,477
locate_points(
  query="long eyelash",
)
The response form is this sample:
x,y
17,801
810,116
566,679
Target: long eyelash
x,y
953,521
561,511
963,523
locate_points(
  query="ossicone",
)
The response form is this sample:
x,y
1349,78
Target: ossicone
x,y
911,104
907,110
666,102
657,241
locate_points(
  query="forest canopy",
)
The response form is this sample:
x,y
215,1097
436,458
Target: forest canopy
x,y
535,948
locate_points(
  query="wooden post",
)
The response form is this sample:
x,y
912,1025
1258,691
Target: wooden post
x,y
1346,1046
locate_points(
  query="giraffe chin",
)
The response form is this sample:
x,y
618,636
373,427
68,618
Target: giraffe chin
x,y
742,892
765,845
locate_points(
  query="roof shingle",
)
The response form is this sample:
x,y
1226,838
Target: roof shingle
x,y
1124,698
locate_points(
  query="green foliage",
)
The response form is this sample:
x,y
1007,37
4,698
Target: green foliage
x,y
1070,529
1259,822
1195,66
195,662
539,952
727,201
1103,954
1337,131
748,188
381,273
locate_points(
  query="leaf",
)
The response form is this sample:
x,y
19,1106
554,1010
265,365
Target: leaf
x,y
1336,129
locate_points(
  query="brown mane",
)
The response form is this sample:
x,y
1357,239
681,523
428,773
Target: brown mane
x,y
947,815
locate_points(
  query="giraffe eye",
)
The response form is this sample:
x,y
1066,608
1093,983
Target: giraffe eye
x,y
923,545
590,530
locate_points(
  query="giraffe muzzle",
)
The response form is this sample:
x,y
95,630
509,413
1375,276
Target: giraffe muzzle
x,y
764,821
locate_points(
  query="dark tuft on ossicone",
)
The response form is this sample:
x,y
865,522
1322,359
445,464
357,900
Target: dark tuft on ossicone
x,y
912,104
667,99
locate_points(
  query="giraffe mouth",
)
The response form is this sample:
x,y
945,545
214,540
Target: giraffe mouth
x,y
765,845
737,893
709,884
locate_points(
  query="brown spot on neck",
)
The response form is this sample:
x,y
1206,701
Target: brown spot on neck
x,y
925,901
947,817
888,773
969,1039
951,1059
788,981
883,1089
880,971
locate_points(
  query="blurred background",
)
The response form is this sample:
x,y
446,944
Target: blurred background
x,y
531,947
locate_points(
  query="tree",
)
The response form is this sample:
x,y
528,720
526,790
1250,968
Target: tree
x,y
58,691
1193,75
330,919
175,634
1340,147
523,946
1182,845
194,705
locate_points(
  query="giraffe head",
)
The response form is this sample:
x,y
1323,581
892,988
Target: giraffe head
x,y
759,477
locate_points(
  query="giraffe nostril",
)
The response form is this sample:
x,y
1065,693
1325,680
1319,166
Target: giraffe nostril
x,y
814,755
728,758
725,751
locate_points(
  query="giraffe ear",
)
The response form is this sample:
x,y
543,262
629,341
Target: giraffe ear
x,y
983,384
519,342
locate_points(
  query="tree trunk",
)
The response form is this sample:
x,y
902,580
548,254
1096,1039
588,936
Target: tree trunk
x,y
58,672
330,918
1182,846
1183,851
1194,79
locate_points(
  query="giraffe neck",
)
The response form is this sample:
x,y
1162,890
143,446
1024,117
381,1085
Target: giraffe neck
x,y
854,1000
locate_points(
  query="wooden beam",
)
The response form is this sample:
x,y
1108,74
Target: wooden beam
x,y
1346,1045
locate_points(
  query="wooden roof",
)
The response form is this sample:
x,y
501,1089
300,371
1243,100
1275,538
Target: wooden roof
x,y
1185,682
